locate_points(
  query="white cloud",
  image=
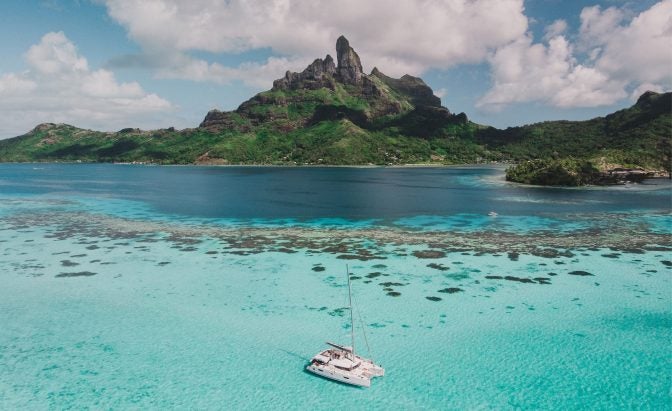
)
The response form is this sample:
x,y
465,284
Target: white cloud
x,y
620,57
409,36
524,71
102,84
179,65
639,51
555,29
58,86
12,84
254,74
587,87
55,54
598,25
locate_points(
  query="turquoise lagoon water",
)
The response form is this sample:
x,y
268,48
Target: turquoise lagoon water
x,y
211,288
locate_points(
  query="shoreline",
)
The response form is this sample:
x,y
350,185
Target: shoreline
x,y
288,165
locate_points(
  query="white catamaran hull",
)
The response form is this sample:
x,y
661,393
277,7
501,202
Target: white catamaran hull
x,y
333,374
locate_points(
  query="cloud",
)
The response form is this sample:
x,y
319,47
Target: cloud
x,y
555,29
410,36
254,74
619,57
178,65
59,86
640,50
55,54
597,25
524,71
15,84
441,93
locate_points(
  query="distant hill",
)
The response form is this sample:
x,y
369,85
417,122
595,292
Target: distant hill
x,y
334,113
603,150
632,136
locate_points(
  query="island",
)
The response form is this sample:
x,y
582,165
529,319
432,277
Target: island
x,y
332,113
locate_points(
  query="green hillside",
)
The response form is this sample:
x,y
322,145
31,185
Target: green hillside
x,y
328,142
633,136
334,113
328,114
574,152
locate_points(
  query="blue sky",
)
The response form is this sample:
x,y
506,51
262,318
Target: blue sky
x,y
109,64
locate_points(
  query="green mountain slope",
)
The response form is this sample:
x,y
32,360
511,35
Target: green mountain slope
x,y
633,136
334,113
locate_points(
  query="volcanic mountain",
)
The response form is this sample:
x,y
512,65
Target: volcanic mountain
x,y
334,113
336,91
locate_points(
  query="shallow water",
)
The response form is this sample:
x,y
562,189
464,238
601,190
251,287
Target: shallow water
x,y
187,287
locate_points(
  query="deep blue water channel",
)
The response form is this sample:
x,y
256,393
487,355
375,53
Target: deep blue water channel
x,y
312,193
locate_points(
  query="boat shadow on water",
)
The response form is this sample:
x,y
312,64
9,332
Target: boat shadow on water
x,y
293,354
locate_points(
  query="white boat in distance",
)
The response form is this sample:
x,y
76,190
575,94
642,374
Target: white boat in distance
x,y
340,363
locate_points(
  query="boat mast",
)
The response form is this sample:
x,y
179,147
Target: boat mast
x,y
352,322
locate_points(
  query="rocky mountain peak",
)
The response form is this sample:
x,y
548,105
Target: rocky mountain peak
x,y
323,73
349,69
373,96
318,74
659,103
419,93
647,97
43,127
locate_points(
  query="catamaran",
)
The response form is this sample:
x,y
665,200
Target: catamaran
x,y
340,363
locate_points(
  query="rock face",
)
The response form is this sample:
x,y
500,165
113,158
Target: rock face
x,y
419,92
317,75
351,94
655,103
218,120
322,73
349,68
215,118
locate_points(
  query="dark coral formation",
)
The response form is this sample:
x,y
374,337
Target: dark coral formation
x,y
525,280
580,273
429,254
451,290
77,274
